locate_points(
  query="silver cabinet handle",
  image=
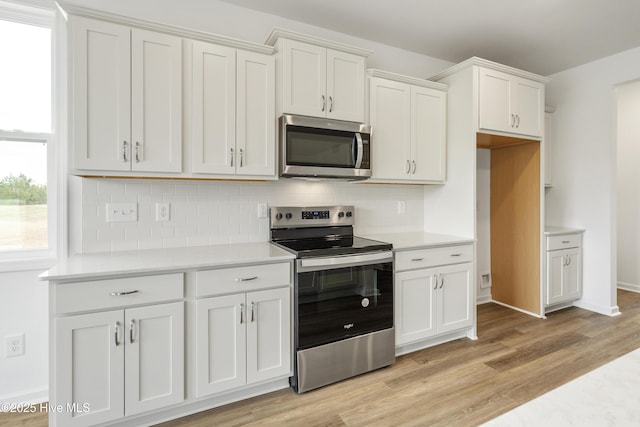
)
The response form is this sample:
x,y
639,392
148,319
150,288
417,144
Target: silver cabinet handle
x,y
324,103
458,254
253,309
231,156
246,279
417,259
408,166
116,328
441,281
435,280
241,313
121,293
568,260
518,123
124,151
565,241
413,172
139,150
132,325
330,103
241,157
513,120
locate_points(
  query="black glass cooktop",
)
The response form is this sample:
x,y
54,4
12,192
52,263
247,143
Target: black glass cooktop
x,y
332,245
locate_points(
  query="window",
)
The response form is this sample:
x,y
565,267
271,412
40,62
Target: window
x,y
26,138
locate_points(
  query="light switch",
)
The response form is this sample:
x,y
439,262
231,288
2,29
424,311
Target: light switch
x,y
122,212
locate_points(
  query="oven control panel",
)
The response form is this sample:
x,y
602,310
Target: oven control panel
x,y
325,216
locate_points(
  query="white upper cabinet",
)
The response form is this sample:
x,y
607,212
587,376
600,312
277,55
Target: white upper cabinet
x,y
409,129
510,104
126,98
233,111
319,78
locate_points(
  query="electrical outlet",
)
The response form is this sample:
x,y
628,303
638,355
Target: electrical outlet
x,y
402,207
163,211
485,280
122,212
15,345
262,210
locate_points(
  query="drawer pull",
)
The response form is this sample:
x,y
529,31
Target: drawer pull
x,y
458,254
565,241
241,313
253,310
417,259
246,279
118,294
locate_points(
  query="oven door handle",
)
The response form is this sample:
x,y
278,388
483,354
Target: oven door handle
x,y
328,263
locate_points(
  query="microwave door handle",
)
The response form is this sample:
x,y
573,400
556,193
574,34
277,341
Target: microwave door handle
x,y
360,150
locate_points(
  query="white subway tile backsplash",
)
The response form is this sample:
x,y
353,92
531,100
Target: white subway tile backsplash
x,y
220,212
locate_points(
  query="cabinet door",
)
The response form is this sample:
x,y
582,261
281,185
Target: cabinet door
x,y
529,107
428,134
154,357
494,104
213,110
156,102
89,363
101,95
564,275
256,118
268,334
413,305
345,86
304,79
572,275
389,114
220,344
454,304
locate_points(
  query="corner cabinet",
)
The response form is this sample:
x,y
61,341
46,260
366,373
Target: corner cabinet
x,y
510,104
433,293
563,267
409,118
243,327
233,111
318,78
126,98
121,359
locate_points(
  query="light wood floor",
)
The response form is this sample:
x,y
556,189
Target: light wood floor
x,y
462,383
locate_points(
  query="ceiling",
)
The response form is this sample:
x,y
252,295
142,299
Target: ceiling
x,y
541,36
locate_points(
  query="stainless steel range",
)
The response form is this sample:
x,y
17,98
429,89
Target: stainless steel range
x,y
343,302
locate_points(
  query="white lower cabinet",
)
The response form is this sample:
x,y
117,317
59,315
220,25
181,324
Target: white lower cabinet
x,y
242,339
563,268
118,363
435,300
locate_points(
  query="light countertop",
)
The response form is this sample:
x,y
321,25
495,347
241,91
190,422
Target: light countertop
x,y
164,260
551,230
419,239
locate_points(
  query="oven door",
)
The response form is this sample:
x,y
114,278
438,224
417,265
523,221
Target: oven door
x,y
341,297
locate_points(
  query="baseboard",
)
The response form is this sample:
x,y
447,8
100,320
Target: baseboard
x,y
629,287
518,309
483,300
607,311
33,396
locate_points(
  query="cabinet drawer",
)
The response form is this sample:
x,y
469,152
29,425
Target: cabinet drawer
x,y
112,293
564,241
242,279
410,260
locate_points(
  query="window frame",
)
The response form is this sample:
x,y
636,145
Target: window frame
x,y
26,259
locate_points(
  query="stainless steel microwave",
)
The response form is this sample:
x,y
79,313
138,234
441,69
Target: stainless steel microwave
x,y
321,148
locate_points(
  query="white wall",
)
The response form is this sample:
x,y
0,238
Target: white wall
x,y
628,185
24,309
584,166
483,221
